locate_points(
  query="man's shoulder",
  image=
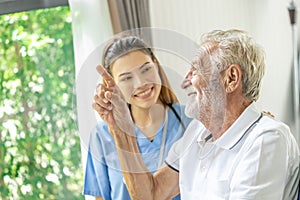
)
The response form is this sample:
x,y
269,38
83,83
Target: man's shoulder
x,y
268,124
269,127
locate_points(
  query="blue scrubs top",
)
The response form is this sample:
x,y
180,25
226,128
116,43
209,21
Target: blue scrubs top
x,y
103,176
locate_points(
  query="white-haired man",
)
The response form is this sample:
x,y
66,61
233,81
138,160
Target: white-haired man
x,y
230,150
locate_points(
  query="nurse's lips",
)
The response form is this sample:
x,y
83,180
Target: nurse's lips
x,y
144,93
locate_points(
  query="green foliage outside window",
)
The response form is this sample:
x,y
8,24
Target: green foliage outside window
x,y
39,145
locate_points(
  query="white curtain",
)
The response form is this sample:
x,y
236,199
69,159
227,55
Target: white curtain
x,y
91,28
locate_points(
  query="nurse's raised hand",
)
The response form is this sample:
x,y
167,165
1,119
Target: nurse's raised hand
x,y
102,102
110,104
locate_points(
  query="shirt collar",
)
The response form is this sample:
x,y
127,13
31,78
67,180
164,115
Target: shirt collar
x,y
204,137
237,130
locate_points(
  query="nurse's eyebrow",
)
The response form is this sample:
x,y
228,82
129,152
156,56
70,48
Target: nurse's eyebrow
x,y
127,73
144,64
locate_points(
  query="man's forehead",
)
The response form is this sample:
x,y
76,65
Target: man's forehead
x,y
203,52
199,56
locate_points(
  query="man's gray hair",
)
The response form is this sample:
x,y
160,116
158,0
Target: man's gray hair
x,y
237,47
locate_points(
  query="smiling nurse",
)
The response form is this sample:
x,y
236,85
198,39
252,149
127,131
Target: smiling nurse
x,y
158,119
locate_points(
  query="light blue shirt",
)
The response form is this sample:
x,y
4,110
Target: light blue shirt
x,y
103,176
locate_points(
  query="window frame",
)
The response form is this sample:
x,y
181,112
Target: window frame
x,y
12,6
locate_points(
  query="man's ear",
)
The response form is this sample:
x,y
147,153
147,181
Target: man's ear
x,y
232,78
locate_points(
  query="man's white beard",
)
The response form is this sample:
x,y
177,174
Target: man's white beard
x,y
193,108
206,107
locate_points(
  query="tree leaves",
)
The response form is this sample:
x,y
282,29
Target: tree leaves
x,y
39,145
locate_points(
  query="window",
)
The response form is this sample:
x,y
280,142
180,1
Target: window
x,y
39,146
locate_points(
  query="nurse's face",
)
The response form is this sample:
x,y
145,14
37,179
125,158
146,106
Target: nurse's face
x,y
138,79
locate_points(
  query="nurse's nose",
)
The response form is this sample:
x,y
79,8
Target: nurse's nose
x,y
139,80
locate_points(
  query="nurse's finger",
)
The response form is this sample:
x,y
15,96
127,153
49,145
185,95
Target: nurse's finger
x,y
101,89
103,102
106,76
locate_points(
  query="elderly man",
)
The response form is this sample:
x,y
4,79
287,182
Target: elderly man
x,y
230,150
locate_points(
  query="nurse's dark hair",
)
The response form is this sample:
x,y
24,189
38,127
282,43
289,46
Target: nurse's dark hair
x,y
123,44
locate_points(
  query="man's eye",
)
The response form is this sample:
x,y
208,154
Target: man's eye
x,y
193,68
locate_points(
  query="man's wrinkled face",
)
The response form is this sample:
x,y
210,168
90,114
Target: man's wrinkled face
x,y
207,99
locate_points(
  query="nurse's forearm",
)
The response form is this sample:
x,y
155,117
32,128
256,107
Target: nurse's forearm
x,y
139,181
141,184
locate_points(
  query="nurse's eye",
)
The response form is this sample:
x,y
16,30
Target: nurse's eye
x,y
147,68
126,78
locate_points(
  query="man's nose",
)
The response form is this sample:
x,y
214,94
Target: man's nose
x,y
186,80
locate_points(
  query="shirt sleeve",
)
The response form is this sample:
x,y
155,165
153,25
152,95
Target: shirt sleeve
x,y
96,182
172,160
180,147
263,171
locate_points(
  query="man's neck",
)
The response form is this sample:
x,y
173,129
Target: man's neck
x,y
232,113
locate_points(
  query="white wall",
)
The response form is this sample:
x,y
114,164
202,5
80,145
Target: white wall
x,y
266,20
91,27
